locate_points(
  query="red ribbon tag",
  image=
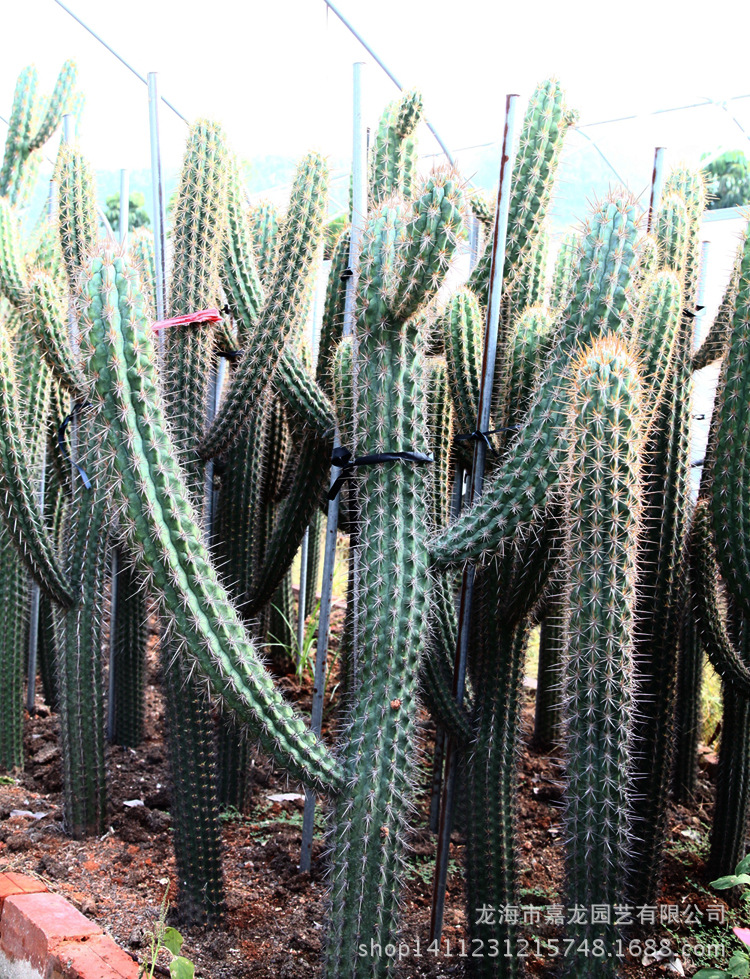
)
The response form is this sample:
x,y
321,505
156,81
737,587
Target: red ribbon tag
x,y
211,315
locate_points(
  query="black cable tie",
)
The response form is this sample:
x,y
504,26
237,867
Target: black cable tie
x,y
341,458
695,465
230,354
477,436
347,274
693,314
699,418
225,310
61,443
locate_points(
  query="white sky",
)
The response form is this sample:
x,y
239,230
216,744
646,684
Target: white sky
x,y
278,74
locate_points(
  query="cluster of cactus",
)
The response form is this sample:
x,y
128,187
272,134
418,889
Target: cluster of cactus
x,y
585,522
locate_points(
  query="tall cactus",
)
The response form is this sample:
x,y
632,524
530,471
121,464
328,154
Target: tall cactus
x,y
404,253
603,514
28,131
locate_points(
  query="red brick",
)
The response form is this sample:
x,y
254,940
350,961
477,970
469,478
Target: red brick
x,y
94,958
12,883
33,925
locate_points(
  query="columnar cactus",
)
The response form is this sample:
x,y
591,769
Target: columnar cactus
x,y
603,508
27,132
405,251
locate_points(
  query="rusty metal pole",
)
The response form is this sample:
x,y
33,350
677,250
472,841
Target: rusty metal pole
x,y
475,491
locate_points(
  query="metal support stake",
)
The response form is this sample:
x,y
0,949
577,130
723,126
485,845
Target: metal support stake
x,y
657,180
359,217
480,455
115,555
160,212
33,646
114,568
305,548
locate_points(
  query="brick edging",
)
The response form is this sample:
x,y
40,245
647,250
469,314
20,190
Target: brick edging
x,y
45,931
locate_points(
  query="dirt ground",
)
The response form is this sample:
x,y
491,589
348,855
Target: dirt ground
x,y
275,918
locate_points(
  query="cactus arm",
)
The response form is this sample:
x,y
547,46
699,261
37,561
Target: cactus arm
x,y
333,312
715,343
657,327
161,527
437,689
12,266
528,349
264,222
599,303
671,231
293,517
424,252
708,606
566,264
281,309
76,210
141,246
56,107
392,167
545,124
45,306
302,395
462,338
729,486
21,510
239,272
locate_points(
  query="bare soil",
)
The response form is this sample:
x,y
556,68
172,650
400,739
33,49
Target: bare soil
x,y
274,924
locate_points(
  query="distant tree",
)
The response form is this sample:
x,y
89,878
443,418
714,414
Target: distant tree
x,y
137,213
728,180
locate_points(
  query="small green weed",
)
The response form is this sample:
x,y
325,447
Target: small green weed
x,y
163,938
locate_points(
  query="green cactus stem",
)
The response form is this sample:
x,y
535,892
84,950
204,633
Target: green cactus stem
x,y
545,125
603,516
14,595
728,486
281,310
160,525
131,636
599,304
715,342
141,247
76,211
78,655
393,156
404,256
566,266
27,133
20,508
48,320
661,591
548,712
688,719
12,264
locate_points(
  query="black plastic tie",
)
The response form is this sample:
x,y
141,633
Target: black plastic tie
x,y
347,274
693,313
341,458
61,443
477,436
230,354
